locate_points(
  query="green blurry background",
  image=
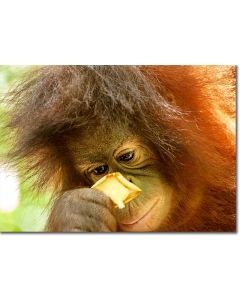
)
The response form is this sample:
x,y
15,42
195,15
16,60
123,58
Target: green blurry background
x,y
31,212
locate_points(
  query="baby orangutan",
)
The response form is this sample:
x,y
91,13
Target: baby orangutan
x,y
166,129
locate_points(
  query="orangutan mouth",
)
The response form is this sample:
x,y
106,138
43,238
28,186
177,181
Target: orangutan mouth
x,y
140,219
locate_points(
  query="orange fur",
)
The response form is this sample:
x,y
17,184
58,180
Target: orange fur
x,y
208,95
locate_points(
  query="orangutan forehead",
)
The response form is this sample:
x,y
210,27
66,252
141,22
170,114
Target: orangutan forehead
x,y
93,145
100,145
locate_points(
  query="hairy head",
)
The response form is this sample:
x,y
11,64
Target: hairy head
x,y
57,102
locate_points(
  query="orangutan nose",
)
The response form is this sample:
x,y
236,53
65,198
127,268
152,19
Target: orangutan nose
x,y
129,179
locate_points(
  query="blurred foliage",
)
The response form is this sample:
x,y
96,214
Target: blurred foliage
x,y
32,211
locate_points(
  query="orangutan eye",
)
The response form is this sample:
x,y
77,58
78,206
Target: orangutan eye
x,y
100,170
126,157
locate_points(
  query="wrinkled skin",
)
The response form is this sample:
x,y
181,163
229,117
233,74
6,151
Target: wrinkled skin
x,y
83,210
88,210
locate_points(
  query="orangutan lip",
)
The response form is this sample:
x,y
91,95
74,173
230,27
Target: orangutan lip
x,y
141,218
